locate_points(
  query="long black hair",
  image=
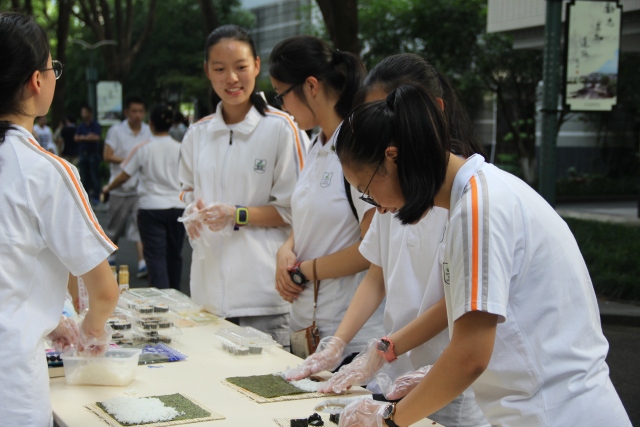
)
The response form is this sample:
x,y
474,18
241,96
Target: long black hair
x,y
233,32
407,68
299,57
410,119
24,48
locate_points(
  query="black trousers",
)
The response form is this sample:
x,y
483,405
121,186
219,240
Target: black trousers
x,y
162,238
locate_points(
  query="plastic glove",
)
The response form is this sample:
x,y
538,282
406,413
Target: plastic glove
x,y
361,370
394,390
65,336
364,413
192,219
327,356
93,343
220,217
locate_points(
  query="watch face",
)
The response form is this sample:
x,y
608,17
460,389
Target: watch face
x,y
387,412
297,278
383,346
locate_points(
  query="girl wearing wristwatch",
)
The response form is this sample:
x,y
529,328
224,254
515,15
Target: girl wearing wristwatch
x,y
316,84
238,168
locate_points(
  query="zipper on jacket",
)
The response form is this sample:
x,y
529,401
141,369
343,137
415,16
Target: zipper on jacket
x,y
231,138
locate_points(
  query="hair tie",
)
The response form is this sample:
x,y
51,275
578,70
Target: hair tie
x,y
337,56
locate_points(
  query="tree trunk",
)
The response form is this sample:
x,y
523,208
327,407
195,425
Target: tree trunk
x,y
528,166
62,33
341,20
211,21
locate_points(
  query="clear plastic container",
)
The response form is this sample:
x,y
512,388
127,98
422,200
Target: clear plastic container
x,y
244,341
116,368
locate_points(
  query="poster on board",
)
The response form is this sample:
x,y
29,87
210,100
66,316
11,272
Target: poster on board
x,y
592,55
109,102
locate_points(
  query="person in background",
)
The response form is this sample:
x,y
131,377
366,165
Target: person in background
x,y
43,135
87,136
69,147
316,84
238,168
48,230
156,163
57,139
178,128
123,201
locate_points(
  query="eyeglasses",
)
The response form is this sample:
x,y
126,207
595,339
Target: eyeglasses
x,y
367,198
278,98
57,68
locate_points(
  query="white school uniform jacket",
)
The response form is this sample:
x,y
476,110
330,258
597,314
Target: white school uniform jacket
x,y
122,140
255,164
156,162
324,223
507,252
47,229
408,256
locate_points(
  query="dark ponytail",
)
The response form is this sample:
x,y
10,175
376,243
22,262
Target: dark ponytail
x,y
161,117
410,119
299,57
24,48
233,32
408,68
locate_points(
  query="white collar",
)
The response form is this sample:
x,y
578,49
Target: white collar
x,y
245,127
470,167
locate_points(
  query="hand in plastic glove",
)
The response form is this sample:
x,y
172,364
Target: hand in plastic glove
x,y
191,219
219,216
327,356
364,413
93,342
65,336
361,370
394,390
285,260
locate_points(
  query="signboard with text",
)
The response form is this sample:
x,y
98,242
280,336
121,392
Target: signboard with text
x,y
592,55
109,102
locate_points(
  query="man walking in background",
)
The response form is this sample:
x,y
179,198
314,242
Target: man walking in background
x,y
88,139
123,202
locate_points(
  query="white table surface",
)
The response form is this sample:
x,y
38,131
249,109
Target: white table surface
x,y
198,377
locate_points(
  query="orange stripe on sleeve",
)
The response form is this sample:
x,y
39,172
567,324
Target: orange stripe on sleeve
x,y
76,184
475,265
295,132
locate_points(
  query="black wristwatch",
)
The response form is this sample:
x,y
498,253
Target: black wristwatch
x,y
388,414
297,276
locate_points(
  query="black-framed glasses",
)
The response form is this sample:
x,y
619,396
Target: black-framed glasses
x,y
364,196
57,68
278,98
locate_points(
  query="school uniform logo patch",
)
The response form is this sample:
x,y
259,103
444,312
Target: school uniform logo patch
x,y
446,276
326,179
260,166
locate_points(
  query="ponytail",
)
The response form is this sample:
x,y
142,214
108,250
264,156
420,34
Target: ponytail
x,y
295,59
410,119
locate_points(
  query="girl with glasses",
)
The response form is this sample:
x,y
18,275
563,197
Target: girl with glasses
x,y
520,307
316,84
238,168
48,232
403,259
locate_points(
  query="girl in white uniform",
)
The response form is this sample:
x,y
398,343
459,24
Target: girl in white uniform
x,y
405,258
316,84
238,168
155,164
521,310
48,231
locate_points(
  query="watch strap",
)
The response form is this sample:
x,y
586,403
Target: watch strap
x,y
242,217
390,353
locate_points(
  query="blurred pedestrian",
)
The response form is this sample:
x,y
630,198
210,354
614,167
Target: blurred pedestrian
x,y
178,128
88,135
156,164
123,202
69,147
43,134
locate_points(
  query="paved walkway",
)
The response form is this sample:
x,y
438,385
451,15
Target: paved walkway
x,y
624,212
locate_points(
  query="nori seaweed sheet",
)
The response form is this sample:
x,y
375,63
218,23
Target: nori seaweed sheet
x,y
177,401
267,386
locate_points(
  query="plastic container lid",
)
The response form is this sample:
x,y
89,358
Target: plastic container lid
x,y
246,336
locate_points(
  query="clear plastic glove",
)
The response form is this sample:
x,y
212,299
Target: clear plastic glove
x,y
394,390
364,413
219,217
65,336
360,371
191,218
327,356
92,342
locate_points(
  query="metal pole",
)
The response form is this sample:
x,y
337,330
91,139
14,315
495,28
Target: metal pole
x,y
92,80
551,76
